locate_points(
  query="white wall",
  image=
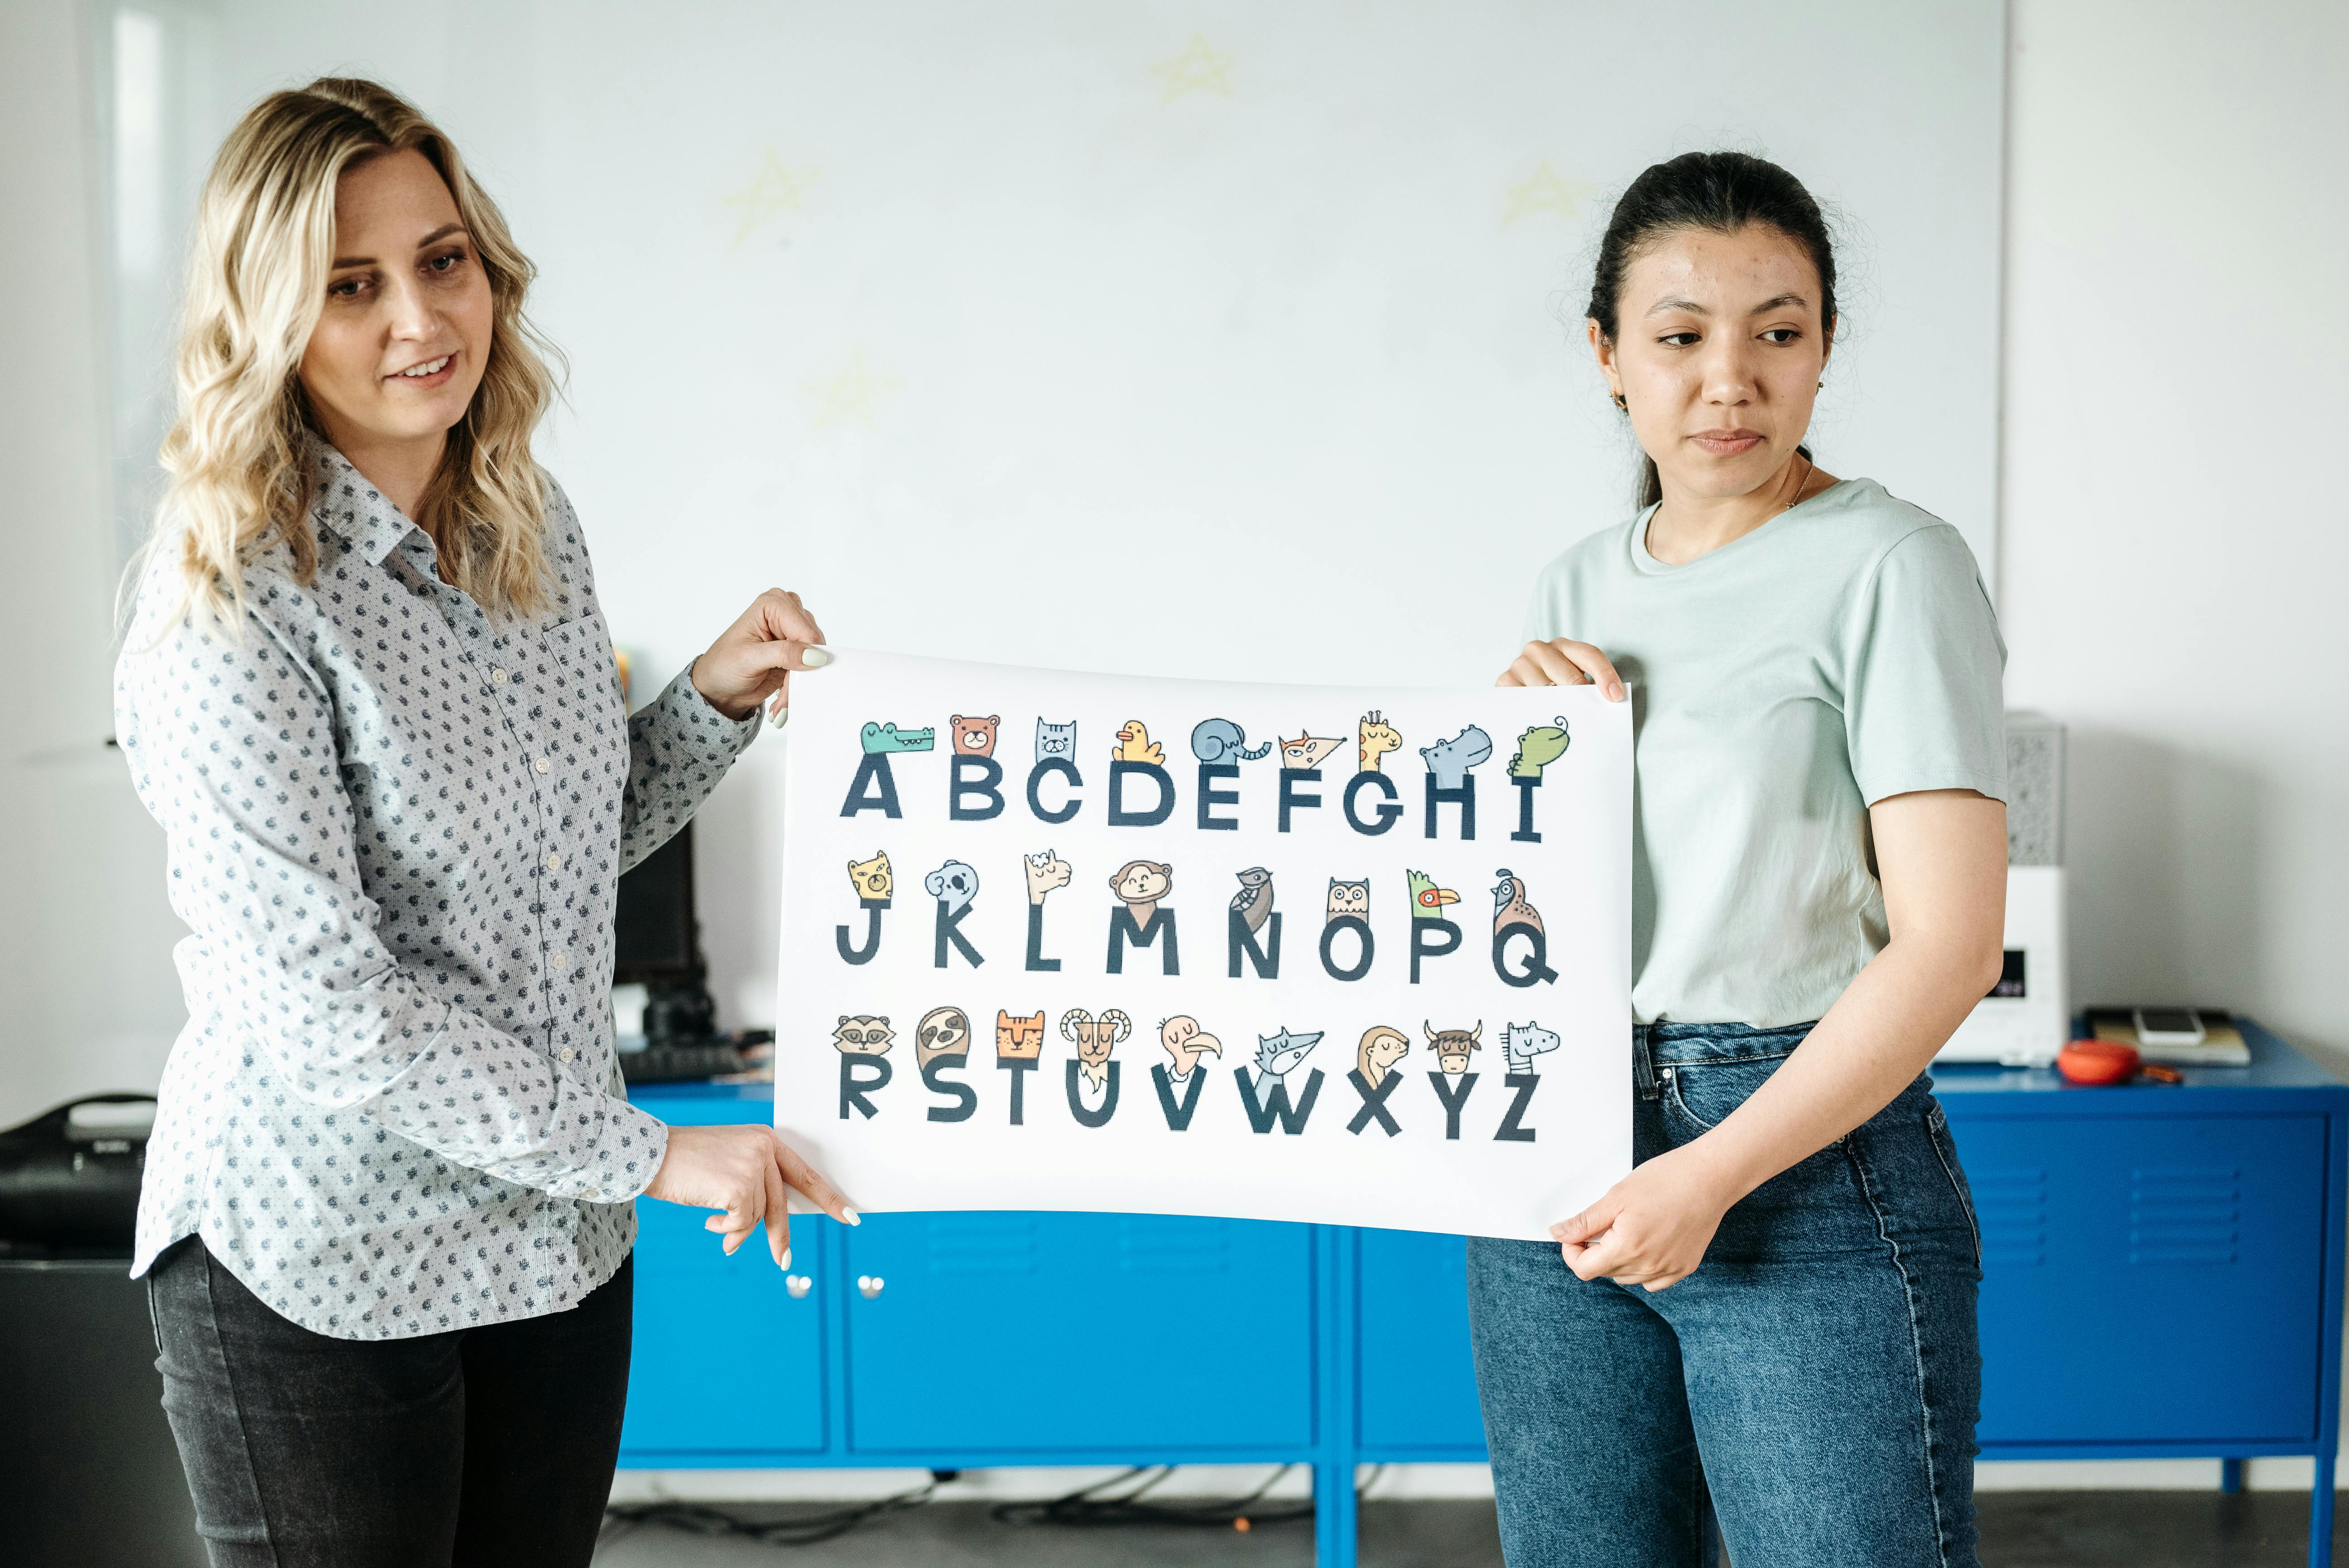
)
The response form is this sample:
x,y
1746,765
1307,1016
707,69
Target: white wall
x,y
88,996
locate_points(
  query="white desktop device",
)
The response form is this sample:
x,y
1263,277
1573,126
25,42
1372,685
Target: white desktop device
x,y
2027,1016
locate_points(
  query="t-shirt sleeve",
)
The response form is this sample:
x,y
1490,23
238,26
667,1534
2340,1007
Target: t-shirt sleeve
x,y
1924,706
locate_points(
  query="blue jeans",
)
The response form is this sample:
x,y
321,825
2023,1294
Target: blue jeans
x,y
1814,1385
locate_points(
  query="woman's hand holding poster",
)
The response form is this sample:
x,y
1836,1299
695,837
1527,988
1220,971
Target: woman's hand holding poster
x,y
1347,957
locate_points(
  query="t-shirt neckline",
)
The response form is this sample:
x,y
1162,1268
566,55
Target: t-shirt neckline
x,y
1652,567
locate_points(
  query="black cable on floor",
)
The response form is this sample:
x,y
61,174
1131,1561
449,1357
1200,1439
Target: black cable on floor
x,y
803,1529
1085,1507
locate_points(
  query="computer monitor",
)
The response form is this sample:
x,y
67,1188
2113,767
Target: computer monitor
x,y
657,940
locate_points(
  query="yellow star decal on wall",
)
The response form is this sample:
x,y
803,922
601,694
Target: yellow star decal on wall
x,y
1544,192
775,189
1200,68
850,394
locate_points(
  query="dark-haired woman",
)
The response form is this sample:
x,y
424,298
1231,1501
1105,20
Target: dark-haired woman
x,y
1770,1321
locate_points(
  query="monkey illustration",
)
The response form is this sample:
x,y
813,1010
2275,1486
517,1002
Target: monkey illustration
x,y
1254,900
1139,884
1376,738
974,736
1349,898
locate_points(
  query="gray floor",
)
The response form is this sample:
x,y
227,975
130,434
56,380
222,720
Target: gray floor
x,y
2020,1530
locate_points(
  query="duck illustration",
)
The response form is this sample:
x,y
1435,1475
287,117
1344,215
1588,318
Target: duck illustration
x,y
1134,745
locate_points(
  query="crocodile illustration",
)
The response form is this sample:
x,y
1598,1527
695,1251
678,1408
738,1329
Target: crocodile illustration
x,y
883,737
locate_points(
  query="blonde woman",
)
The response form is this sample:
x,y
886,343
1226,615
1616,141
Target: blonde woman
x,y
368,693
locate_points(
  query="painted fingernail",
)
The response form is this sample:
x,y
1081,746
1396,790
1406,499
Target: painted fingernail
x,y
852,1216
783,716
815,658
785,1261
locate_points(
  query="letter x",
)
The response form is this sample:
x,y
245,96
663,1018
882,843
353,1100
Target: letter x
x,y
1374,1102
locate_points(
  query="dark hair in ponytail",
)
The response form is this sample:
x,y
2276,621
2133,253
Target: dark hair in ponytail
x,y
1720,191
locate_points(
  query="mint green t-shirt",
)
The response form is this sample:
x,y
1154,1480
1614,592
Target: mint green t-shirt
x,y
1844,651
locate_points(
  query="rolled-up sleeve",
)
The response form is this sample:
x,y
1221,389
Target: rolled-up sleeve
x,y
231,748
1924,706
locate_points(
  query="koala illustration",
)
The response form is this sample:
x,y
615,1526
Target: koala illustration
x,y
1349,898
943,1032
974,736
954,882
1141,884
862,1035
1019,1038
1046,872
871,878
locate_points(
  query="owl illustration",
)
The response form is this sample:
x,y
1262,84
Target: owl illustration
x,y
862,1035
1349,898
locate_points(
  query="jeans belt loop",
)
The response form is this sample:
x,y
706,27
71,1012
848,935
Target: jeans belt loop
x,y
1643,1063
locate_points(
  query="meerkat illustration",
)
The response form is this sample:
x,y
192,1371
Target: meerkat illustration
x,y
1349,898
1254,900
1139,884
1382,1047
1376,738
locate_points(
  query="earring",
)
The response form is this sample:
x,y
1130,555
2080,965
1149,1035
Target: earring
x,y
1624,407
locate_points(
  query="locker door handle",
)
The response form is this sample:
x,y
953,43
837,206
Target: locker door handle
x,y
869,1285
798,1285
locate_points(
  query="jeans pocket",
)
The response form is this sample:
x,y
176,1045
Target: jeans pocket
x,y
1703,1096
1936,1130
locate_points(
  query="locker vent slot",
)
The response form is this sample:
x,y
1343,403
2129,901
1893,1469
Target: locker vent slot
x,y
983,1245
2011,1206
1164,1245
2184,1215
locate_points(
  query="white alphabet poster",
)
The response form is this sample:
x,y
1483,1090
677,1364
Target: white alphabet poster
x,y
1349,956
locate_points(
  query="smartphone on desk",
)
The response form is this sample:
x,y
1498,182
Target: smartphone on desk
x,y
2169,1025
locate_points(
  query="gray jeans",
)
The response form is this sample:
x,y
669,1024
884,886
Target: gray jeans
x,y
481,1446
1816,1380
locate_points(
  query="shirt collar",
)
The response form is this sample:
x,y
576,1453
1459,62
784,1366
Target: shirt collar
x,y
350,506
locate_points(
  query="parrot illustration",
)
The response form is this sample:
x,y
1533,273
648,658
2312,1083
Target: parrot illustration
x,y
1427,900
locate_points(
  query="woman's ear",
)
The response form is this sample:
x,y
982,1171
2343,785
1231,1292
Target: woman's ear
x,y
1603,352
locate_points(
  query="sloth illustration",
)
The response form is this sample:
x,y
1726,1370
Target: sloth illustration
x,y
943,1032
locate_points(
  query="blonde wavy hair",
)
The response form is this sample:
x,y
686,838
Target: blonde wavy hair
x,y
237,456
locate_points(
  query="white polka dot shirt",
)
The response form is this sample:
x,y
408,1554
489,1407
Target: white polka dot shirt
x,y
396,826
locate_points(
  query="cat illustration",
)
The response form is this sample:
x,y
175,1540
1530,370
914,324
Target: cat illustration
x,y
1376,738
1349,898
1056,740
1215,738
1019,1038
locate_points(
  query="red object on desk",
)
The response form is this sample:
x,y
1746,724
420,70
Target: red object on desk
x,y
2097,1062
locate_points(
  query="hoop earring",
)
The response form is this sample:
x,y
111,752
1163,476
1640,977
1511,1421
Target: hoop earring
x,y
1622,407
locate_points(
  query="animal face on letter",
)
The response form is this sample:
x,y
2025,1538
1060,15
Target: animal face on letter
x,y
871,878
1382,1047
1134,745
1217,739
1375,737
1307,750
1449,760
943,1032
862,1035
1349,898
1141,884
1095,1038
1186,1043
1510,906
1254,900
1056,740
1452,1047
1538,747
974,736
1276,1056
1046,872
954,882
1018,1038
1427,900
1523,1041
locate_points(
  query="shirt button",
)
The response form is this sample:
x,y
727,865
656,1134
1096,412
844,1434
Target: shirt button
x,y
497,675
565,1053
553,862
559,962
543,765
